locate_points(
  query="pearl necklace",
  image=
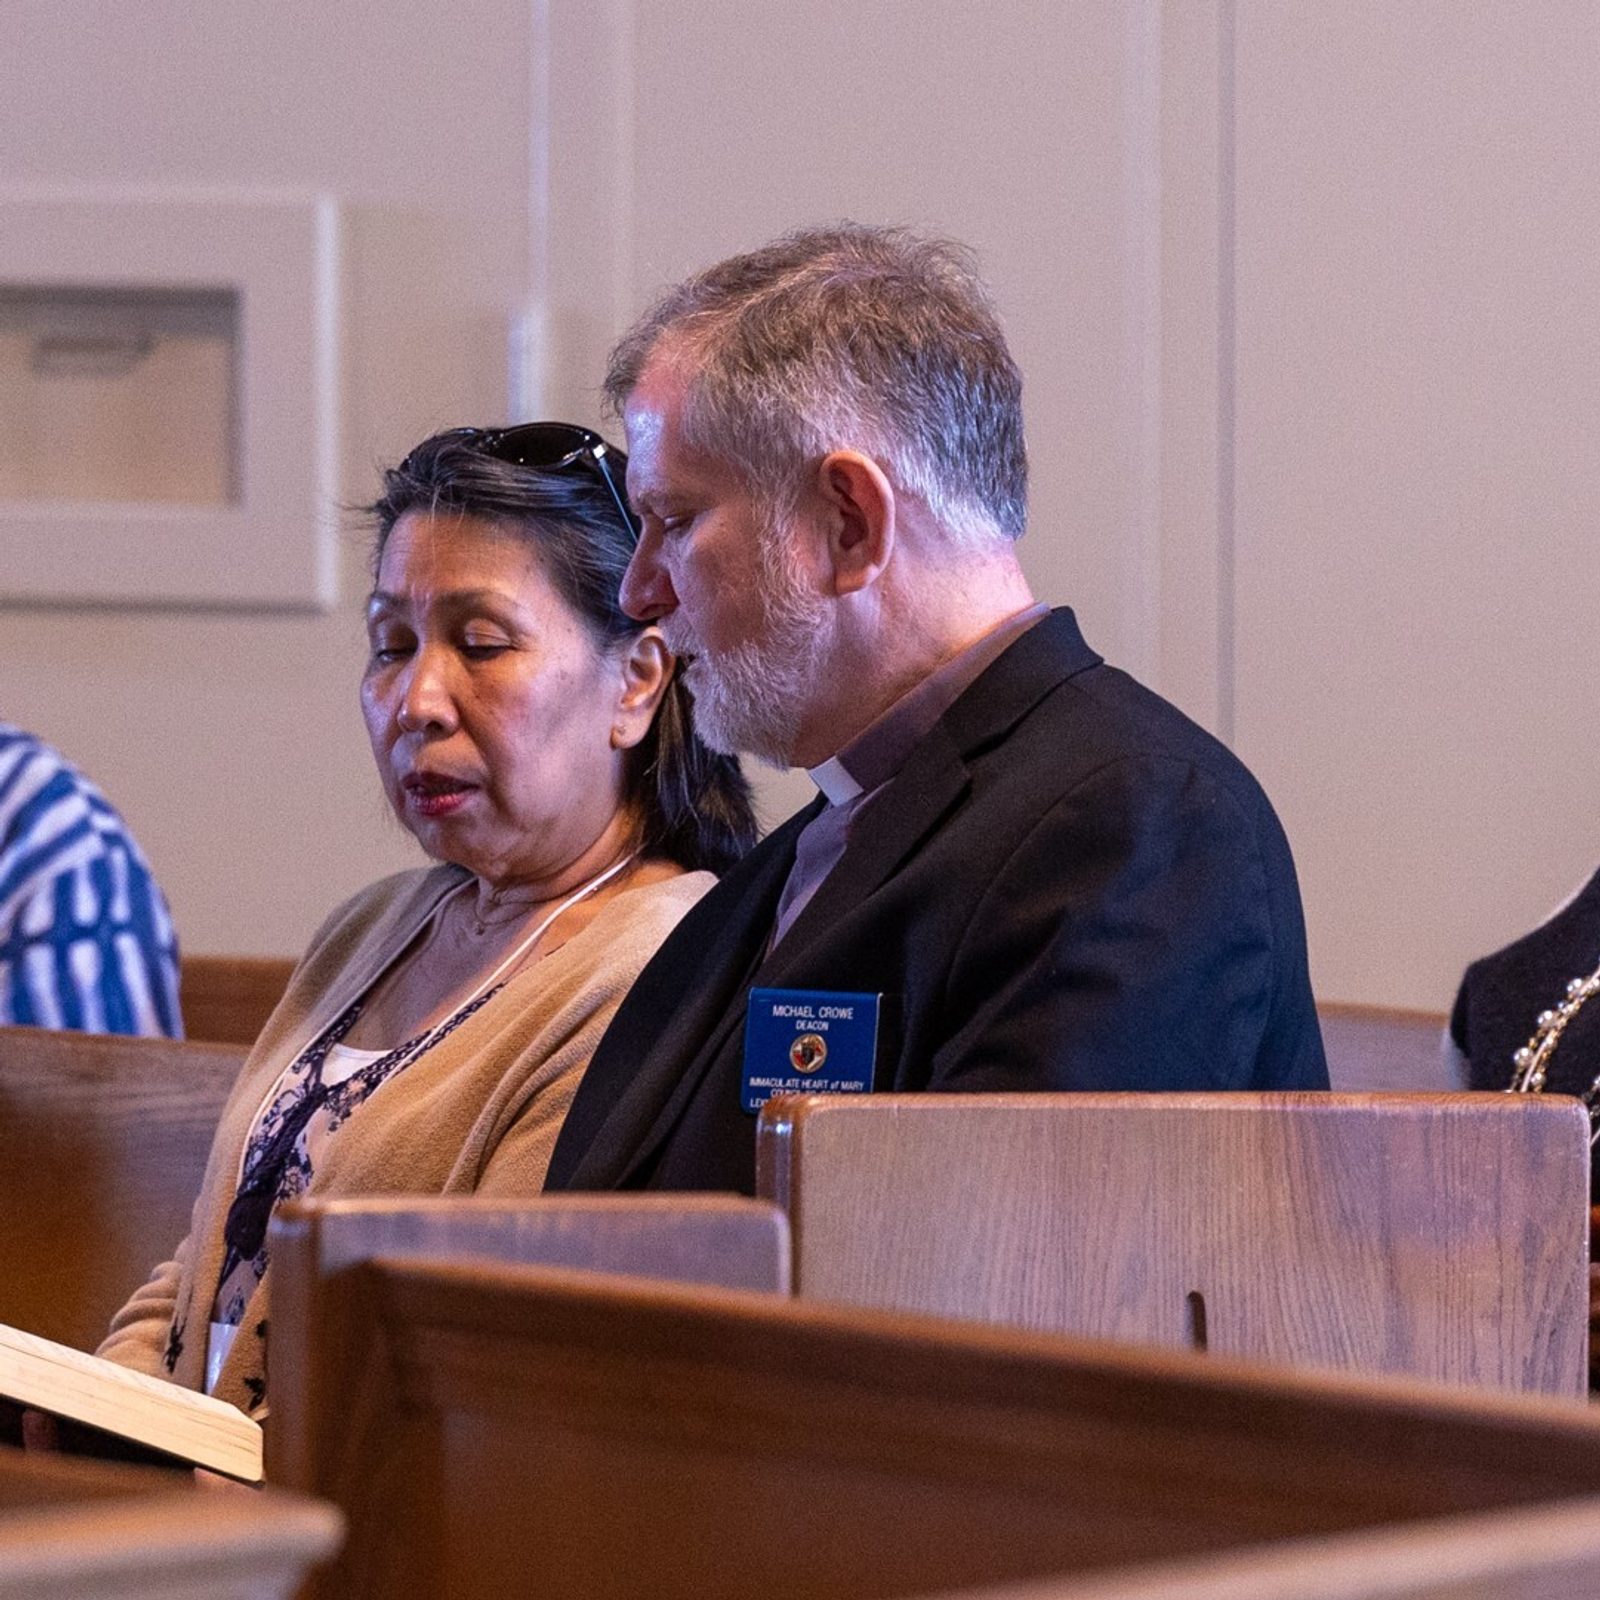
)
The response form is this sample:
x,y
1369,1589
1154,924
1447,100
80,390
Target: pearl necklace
x,y
1531,1064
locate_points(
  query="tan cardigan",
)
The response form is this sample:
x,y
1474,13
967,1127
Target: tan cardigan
x,y
477,1113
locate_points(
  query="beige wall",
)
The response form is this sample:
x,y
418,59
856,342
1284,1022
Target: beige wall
x,y
1417,333
1303,295
232,741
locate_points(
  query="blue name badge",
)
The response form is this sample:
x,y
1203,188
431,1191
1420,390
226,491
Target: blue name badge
x,y
808,1041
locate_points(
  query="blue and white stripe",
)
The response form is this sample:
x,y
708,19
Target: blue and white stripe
x,y
86,940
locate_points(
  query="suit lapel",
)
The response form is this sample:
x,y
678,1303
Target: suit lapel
x,y
660,1044
1043,658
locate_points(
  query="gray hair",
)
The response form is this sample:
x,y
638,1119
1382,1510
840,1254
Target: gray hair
x,y
872,338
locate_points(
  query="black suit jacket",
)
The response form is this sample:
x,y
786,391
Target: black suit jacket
x,y
1069,885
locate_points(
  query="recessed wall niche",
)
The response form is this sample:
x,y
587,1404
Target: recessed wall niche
x,y
168,398
119,395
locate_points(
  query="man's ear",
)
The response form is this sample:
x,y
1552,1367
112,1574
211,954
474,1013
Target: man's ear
x,y
647,666
859,517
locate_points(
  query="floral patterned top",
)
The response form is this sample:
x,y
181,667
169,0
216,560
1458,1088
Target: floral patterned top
x,y
313,1098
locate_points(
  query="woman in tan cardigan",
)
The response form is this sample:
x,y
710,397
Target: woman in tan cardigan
x,y
535,741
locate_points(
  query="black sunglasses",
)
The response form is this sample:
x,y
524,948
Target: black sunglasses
x,y
553,447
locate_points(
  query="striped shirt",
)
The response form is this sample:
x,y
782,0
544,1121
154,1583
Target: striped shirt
x,y
86,940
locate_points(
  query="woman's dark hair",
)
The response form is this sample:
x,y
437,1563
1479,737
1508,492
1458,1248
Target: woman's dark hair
x,y
694,803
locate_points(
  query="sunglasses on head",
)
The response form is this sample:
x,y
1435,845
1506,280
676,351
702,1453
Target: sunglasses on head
x,y
554,447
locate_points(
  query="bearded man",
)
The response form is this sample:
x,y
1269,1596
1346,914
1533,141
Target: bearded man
x,y
1023,870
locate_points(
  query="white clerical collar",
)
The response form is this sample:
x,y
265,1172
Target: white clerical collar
x,y
834,781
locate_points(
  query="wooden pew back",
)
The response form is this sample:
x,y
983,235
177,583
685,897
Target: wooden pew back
x,y
78,1530
1441,1236
724,1240
227,999
496,1431
1378,1047
103,1141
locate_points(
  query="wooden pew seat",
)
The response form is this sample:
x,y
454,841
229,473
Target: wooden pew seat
x,y
103,1141
1441,1236
492,1430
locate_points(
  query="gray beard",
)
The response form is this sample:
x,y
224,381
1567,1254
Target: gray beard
x,y
754,698
747,704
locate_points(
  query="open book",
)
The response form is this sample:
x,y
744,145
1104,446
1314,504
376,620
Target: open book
x,y
98,1394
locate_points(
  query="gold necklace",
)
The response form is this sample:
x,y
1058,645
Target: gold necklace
x,y
510,911
513,910
524,946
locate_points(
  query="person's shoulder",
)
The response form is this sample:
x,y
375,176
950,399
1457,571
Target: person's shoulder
x,y
43,764
642,916
1126,715
1095,719
35,778
17,744
399,898
1050,683
1502,993
1568,933
1580,909
54,820
400,890
676,893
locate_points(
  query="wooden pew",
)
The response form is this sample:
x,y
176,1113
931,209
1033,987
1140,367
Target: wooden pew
x,y
79,1530
1377,1047
494,1431
1441,1236
103,1141
720,1239
723,1240
227,999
